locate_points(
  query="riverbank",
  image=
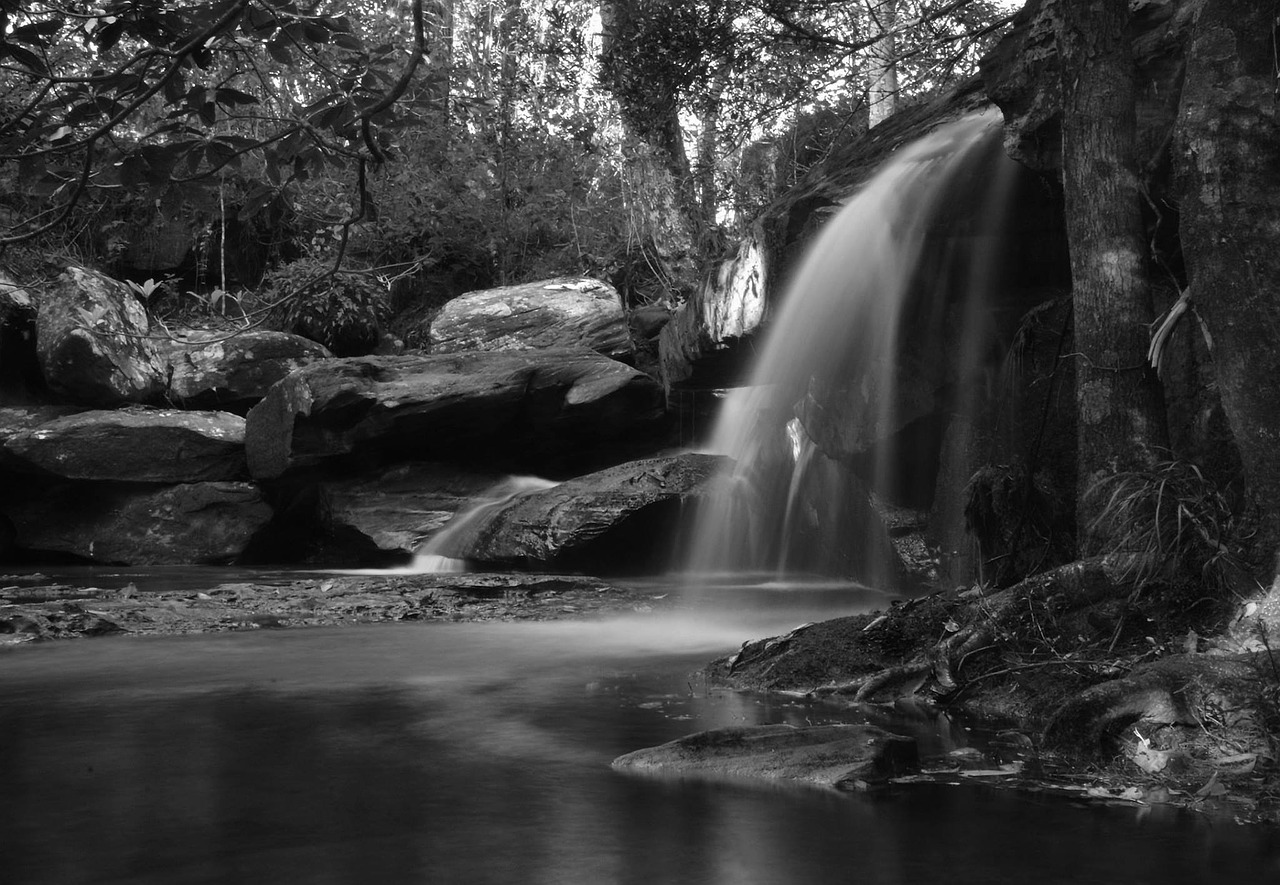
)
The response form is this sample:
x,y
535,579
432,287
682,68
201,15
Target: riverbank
x,y
1212,766
35,607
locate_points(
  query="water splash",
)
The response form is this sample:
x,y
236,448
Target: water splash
x,y
845,368
441,553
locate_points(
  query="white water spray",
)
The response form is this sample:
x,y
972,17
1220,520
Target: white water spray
x,y
837,336
438,555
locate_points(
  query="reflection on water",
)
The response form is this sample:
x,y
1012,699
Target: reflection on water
x,y
467,753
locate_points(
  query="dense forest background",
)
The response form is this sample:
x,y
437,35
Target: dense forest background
x,y
414,150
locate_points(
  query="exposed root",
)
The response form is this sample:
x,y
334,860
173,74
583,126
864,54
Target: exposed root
x,y
891,676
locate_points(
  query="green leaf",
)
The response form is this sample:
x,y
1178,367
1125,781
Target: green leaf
x,y
24,57
221,154
257,200
233,97
278,48
175,88
315,32
36,33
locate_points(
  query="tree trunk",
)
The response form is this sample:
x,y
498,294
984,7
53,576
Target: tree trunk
x,y
440,55
882,60
1120,413
660,194
1226,155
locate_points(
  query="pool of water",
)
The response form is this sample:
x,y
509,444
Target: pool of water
x,y
479,753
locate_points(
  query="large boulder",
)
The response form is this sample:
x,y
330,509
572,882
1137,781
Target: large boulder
x,y
621,519
233,370
133,445
703,344
94,341
546,314
516,407
205,522
847,757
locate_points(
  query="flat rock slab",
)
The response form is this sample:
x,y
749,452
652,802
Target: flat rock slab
x,y
133,445
847,757
202,522
609,520
563,312
35,609
466,407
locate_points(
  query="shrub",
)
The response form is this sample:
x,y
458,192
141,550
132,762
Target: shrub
x,y
1174,522
343,310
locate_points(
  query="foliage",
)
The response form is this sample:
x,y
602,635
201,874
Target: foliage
x,y
344,310
1173,522
1018,522
453,144
168,100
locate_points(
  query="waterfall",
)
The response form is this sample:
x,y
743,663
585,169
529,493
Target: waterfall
x,y
883,328
440,554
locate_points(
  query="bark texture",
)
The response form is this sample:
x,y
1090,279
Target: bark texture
x,y
1227,159
1118,406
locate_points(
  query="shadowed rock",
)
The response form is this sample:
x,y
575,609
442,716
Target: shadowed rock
x,y
400,508
467,407
848,757
700,345
133,445
205,522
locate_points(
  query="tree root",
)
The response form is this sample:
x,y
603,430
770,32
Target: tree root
x,y
1182,689
990,617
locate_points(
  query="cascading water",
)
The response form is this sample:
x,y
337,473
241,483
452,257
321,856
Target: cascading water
x,y
440,554
851,365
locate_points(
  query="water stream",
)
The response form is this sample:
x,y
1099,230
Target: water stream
x,y
479,753
885,318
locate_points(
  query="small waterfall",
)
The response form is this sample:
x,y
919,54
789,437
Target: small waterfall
x,y
850,365
440,554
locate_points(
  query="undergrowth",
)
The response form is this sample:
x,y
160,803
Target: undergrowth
x,y
343,310
1173,523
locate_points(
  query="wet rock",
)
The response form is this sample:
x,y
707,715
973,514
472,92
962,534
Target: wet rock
x,y
617,520
850,757
19,419
94,341
558,313
399,509
468,407
204,522
1022,76
232,370
133,445
701,345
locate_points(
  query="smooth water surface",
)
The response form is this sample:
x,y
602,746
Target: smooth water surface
x,y
479,753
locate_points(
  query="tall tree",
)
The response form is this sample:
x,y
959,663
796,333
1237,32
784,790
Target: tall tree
x,y
882,59
1227,156
1119,410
